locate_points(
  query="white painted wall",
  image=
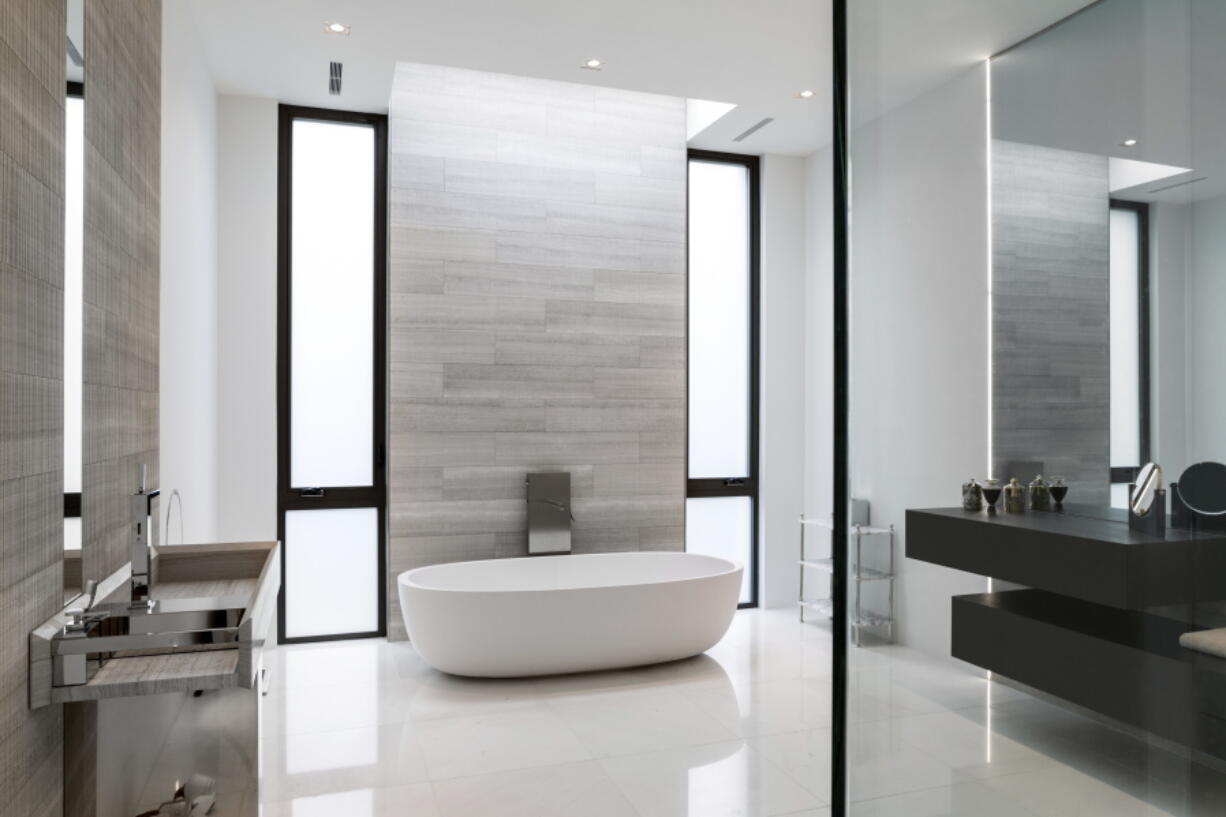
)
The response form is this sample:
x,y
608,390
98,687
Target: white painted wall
x,y
919,361
1169,328
188,354
781,368
1206,390
819,334
247,318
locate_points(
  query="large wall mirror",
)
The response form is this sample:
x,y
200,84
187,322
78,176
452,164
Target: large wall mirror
x,y
74,296
1108,193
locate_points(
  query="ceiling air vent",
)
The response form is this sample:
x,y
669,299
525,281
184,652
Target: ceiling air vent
x,y
751,131
334,79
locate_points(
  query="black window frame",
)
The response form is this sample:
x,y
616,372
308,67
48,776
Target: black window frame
x,y
289,497
747,484
1128,474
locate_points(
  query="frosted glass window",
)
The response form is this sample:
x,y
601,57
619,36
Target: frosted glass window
x,y
74,230
722,526
331,572
332,305
719,325
1125,341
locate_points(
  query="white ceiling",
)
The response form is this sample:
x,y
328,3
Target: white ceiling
x,y
756,53
1150,70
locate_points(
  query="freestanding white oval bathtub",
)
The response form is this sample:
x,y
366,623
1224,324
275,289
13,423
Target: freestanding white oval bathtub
x,y
545,615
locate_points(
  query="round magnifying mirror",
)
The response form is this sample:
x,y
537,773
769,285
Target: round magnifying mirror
x,y
1203,488
1149,480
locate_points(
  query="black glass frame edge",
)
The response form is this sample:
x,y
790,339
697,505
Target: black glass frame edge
x,y
840,471
737,484
333,497
1128,474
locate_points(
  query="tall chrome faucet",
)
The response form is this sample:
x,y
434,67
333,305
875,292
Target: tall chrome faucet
x,y
140,505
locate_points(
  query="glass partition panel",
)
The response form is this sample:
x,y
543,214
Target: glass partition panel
x,y
1036,233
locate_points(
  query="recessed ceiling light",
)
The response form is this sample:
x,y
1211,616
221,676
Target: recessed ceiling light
x,y
593,65
336,28
1128,143
806,94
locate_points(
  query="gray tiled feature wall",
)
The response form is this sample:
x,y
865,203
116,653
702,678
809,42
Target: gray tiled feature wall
x,y
122,227
1050,315
537,313
31,390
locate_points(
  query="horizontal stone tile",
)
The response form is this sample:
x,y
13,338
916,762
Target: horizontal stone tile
x,y
629,512
662,353
614,221
666,538
636,383
409,170
468,414
431,208
636,479
662,446
441,140
508,481
584,252
642,192
520,181
407,276
466,312
616,539
458,517
408,552
614,415
615,318
440,345
554,450
439,449
414,381
407,483
663,162
570,153
663,256
418,243
566,350
462,103
495,382
519,280
640,287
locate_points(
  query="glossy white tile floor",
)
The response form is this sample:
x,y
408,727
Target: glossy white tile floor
x,y
366,729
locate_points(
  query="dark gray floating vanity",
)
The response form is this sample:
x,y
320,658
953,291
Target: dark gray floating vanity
x,y
1099,619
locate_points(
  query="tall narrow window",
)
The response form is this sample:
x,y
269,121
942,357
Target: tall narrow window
x,y
1129,311
74,305
332,245
721,508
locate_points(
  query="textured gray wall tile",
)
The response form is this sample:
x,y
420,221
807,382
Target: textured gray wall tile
x,y
584,252
31,390
498,179
1050,316
576,350
555,450
499,382
610,318
518,280
556,319
638,288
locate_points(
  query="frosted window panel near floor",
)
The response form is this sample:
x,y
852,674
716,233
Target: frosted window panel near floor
x,y
331,572
332,305
719,320
74,229
721,526
1125,342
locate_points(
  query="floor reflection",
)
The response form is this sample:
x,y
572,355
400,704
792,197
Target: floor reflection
x,y
367,729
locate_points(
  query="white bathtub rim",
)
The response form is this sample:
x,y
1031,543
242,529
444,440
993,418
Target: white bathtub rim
x,y
731,566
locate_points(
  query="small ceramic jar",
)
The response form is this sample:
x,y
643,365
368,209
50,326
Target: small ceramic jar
x,y
972,496
1040,495
1015,497
991,493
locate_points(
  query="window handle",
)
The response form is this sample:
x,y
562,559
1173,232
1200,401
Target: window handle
x,y
734,482
312,493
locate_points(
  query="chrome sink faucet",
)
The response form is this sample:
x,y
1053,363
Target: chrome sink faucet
x,y
140,505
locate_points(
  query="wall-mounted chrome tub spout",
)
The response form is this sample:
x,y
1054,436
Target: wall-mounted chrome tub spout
x,y
549,514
